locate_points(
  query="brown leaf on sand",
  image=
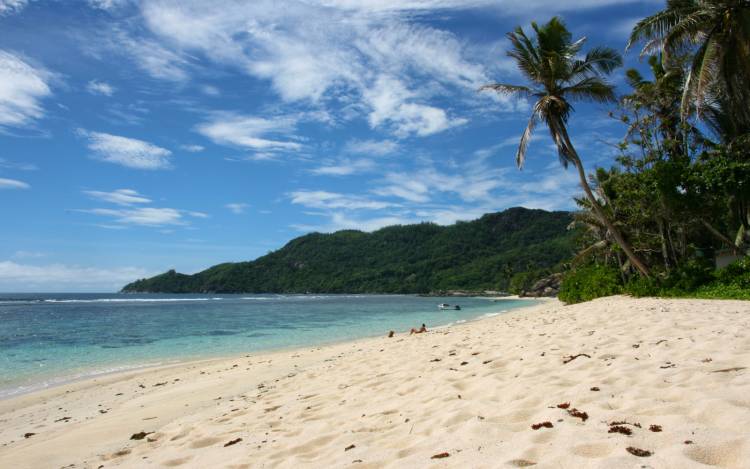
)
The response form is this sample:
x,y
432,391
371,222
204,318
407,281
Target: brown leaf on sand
x,y
521,463
578,413
140,435
440,456
620,429
232,442
537,426
573,357
655,428
727,370
623,422
352,446
641,453
564,405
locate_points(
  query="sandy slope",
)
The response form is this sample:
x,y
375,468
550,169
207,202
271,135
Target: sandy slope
x,y
471,391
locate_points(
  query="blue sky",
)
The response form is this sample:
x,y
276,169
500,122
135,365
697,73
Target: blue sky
x,y
138,136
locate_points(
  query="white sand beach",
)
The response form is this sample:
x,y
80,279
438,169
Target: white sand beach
x,y
668,379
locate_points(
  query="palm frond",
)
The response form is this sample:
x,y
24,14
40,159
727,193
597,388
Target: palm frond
x,y
591,89
508,89
523,145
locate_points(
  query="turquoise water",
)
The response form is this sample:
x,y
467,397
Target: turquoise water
x,y
47,339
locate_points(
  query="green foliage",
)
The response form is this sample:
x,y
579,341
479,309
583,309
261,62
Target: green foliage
x,y
587,283
477,255
696,279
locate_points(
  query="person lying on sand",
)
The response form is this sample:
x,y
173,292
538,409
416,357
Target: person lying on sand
x,y
418,331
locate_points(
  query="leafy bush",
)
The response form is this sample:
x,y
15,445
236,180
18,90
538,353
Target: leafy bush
x,y
642,286
736,273
696,279
587,283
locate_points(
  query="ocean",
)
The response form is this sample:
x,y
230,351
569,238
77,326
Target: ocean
x,y
50,339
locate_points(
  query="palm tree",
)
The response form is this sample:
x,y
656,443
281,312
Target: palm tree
x,y
719,33
551,62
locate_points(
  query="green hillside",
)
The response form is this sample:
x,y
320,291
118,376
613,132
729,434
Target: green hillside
x,y
482,254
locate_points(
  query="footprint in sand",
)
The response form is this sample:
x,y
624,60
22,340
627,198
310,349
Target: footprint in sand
x,y
177,461
729,454
203,442
592,450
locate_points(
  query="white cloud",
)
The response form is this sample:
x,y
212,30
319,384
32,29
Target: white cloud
x,y
237,208
192,148
119,197
344,167
340,221
152,57
371,147
22,87
332,200
28,255
143,216
314,52
100,87
404,186
108,4
61,277
249,131
390,102
20,166
8,7
13,184
210,90
125,151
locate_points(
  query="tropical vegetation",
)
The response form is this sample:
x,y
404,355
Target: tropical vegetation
x,y
678,195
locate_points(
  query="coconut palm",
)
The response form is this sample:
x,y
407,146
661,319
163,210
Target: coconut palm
x,y
552,64
718,31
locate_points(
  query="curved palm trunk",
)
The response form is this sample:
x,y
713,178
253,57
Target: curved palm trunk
x,y
624,245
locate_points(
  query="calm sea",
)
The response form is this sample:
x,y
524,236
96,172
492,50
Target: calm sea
x,y
48,339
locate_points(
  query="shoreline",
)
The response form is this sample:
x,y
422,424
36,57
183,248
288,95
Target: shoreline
x,y
472,390
94,373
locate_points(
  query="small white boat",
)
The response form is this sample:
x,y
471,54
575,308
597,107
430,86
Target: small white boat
x,y
444,306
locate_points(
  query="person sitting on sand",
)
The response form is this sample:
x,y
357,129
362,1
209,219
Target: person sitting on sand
x,y
418,331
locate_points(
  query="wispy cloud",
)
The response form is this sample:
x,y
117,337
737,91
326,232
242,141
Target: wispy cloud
x,y
22,87
129,152
192,148
131,211
342,221
318,53
142,216
8,7
344,167
58,277
100,87
237,208
28,255
119,197
371,147
249,132
333,200
13,184
4,163
108,4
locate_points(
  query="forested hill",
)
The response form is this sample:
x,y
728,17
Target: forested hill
x,y
482,254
